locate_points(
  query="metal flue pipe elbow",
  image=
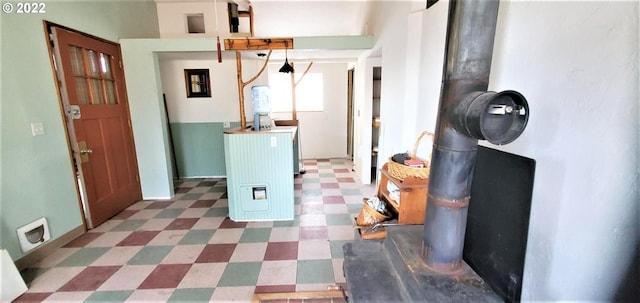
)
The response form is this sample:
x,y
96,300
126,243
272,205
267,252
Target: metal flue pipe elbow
x,y
467,113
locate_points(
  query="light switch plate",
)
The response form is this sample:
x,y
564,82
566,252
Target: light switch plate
x,y
226,124
37,128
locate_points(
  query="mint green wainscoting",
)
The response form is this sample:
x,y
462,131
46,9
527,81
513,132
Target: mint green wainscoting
x,y
199,149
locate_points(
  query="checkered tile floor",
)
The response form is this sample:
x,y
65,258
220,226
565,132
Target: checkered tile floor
x,y
187,249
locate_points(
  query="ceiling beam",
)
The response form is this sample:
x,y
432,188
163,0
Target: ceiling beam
x,y
258,43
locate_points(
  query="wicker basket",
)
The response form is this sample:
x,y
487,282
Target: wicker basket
x,y
401,171
369,216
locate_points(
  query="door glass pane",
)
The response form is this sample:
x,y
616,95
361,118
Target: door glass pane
x,y
82,90
94,64
97,92
105,64
112,98
76,61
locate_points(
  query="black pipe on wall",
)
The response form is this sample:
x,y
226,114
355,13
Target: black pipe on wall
x,y
467,113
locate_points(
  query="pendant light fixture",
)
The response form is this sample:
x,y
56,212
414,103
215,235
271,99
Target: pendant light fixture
x,y
286,68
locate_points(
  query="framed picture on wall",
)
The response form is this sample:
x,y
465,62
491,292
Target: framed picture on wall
x,y
198,83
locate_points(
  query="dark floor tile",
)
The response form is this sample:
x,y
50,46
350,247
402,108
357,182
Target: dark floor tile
x,y
228,223
159,205
281,251
333,200
32,297
90,278
341,170
206,183
346,180
182,223
213,253
202,204
183,190
329,185
125,214
84,239
139,238
165,276
262,289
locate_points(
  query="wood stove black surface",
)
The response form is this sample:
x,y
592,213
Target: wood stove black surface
x,y
498,221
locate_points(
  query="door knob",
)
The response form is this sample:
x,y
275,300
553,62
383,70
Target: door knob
x,y
84,151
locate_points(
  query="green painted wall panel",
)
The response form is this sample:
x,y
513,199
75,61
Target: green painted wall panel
x,y
199,149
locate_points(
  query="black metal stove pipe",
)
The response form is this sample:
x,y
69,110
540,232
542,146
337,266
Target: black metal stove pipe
x,y
469,47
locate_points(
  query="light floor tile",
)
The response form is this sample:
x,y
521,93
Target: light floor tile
x,y
183,254
208,222
338,273
313,250
156,224
312,220
193,213
211,196
284,234
335,209
150,295
246,252
260,224
278,273
233,294
68,296
127,277
182,204
227,235
168,237
341,232
203,275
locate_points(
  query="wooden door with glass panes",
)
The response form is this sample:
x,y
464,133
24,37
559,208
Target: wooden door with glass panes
x,y
95,100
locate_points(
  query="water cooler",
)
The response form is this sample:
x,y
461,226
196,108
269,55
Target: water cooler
x,y
261,107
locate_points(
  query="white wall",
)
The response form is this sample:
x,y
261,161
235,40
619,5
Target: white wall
x,y
294,18
223,105
577,64
172,20
324,133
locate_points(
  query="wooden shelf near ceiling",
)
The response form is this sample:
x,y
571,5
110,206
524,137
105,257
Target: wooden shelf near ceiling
x,y
258,43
